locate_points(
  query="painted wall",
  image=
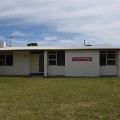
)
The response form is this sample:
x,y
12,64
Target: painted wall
x,y
82,68
56,70
20,64
108,70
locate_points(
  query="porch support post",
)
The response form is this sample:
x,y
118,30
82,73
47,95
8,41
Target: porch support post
x,y
45,63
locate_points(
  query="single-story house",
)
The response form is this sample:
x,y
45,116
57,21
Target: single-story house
x,y
60,61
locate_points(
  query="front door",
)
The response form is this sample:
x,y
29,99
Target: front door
x,y
41,64
37,64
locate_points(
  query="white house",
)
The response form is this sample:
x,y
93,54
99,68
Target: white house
x,y
60,61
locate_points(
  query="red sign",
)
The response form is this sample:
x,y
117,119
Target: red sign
x,y
81,58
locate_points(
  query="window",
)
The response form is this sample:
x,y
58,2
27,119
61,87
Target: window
x,y
52,58
61,58
102,59
6,60
9,60
52,62
2,59
107,58
56,58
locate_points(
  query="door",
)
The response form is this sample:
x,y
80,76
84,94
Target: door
x,y
34,64
41,64
37,64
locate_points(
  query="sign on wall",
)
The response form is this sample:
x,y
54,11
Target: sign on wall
x,y
81,58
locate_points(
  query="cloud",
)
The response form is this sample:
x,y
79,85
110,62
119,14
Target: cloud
x,y
98,19
18,33
51,38
2,37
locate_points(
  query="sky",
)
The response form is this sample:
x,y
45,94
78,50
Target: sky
x,y
60,22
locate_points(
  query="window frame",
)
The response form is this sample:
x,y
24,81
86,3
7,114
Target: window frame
x,y
5,59
51,59
59,63
2,60
8,62
106,53
56,58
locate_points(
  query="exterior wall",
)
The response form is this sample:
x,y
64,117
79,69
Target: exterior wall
x,y
82,68
20,64
108,70
24,64
56,70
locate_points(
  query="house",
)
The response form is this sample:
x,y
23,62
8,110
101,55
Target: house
x,y
86,61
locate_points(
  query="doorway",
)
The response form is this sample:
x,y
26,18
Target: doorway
x,y
41,64
37,63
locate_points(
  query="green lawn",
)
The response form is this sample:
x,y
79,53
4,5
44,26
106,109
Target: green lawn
x,y
34,98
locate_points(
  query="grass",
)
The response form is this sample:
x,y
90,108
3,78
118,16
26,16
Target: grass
x,y
25,98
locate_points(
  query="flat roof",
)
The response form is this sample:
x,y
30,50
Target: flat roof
x,y
56,48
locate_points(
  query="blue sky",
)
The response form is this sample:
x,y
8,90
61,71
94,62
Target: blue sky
x,y
64,22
